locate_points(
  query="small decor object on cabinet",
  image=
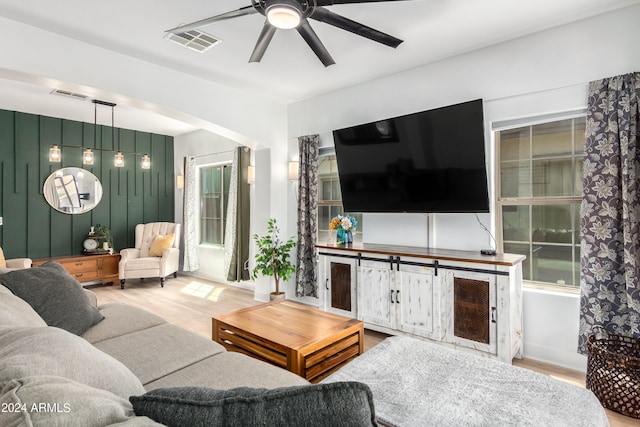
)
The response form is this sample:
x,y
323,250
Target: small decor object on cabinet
x,y
104,232
272,258
90,244
344,226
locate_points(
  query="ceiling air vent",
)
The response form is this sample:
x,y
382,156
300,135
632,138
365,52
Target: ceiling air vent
x,y
194,40
68,94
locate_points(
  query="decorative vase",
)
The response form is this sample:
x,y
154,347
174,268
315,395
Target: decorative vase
x,y
349,236
341,237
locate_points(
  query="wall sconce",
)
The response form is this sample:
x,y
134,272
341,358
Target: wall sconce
x,y
54,154
294,167
251,174
180,182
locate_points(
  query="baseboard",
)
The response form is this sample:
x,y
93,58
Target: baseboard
x,y
567,359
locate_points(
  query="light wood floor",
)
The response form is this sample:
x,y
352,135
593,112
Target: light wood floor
x,y
190,302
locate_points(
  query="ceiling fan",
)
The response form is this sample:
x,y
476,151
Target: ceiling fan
x,y
288,14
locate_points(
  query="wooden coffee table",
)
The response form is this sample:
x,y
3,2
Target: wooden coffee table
x,y
300,338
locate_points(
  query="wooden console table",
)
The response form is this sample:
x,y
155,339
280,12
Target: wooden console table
x,y
87,269
294,336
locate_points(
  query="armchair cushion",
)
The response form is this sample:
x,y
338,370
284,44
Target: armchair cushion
x,y
160,243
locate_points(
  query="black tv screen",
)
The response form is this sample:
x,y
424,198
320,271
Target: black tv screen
x,y
431,161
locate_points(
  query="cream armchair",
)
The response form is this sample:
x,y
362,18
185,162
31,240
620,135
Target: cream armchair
x,y
149,259
7,265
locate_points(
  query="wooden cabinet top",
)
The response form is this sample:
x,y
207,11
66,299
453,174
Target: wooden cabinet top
x,y
70,258
429,253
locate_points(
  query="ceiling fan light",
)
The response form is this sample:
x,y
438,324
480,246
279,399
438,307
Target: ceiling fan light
x,y
284,14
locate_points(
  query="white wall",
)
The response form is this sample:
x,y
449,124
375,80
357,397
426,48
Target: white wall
x,y
539,74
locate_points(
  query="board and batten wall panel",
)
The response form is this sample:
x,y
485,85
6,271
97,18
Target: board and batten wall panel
x,y
131,195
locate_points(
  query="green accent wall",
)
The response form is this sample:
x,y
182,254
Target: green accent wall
x,y
131,195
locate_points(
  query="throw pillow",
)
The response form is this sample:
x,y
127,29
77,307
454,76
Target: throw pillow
x,y
27,351
160,243
3,262
320,405
47,400
56,296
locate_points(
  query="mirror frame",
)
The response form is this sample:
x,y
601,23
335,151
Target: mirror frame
x,y
72,190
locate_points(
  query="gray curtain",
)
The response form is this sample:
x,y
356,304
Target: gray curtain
x,y
236,239
610,212
307,270
190,216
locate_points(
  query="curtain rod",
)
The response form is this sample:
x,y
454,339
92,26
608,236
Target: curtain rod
x,y
212,154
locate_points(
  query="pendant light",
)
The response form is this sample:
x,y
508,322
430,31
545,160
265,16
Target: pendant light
x,y
146,162
118,161
54,154
87,157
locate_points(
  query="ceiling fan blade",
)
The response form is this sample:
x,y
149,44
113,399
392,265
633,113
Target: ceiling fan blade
x,y
264,39
314,43
325,15
247,10
331,2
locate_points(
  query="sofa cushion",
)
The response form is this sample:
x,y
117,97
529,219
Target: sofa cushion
x,y
121,319
160,243
158,351
28,351
214,372
56,296
48,400
15,311
3,262
330,405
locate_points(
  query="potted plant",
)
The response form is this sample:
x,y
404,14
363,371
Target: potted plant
x,y
104,232
272,257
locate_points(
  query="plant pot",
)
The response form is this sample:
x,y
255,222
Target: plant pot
x,y
276,296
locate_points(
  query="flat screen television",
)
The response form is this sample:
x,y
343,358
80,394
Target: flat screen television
x,y
431,161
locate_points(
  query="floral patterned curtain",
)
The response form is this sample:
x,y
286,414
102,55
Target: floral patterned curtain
x,y
610,212
307,271
190,208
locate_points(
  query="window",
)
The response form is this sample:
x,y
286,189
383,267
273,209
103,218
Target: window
x,y
330,199
538,198
214,196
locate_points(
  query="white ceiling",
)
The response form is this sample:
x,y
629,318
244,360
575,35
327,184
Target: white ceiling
x,y
432,30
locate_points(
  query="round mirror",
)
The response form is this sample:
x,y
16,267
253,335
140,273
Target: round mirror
x,y
72,190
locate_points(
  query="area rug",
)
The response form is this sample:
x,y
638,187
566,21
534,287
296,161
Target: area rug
x,y
417,383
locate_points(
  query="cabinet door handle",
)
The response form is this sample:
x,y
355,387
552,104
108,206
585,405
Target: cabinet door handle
x,y
392,291
493,315
326,284
79,275
79,263
398,297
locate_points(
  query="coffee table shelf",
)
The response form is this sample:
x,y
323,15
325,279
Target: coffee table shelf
x,y
300,338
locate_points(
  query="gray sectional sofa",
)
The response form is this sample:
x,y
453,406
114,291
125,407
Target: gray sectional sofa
x,y
51,376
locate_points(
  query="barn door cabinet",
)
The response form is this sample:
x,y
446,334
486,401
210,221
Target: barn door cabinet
x,y
461,299
398,296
